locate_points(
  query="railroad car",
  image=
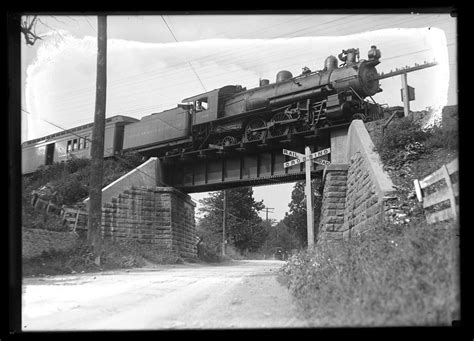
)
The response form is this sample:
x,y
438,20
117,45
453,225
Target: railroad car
x,y
73,142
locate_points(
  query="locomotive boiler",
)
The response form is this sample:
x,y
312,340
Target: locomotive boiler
x,y
233,115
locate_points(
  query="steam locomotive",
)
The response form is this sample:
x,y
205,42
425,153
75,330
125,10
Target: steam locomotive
x,y
232,115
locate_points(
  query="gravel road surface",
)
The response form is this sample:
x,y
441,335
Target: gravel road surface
x,y
239,294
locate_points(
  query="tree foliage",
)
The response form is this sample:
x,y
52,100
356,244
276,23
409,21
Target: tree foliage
x,y
279,235
244,229
296,218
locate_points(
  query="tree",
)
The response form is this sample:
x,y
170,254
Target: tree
x,y
28,29
296,218
279,235
244,228
97,146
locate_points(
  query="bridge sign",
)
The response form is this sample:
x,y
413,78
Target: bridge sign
x,y
292,153
292,163
307,157
322,162
318,154
303,158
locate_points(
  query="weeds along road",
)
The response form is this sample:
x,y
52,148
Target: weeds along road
x,y
239,294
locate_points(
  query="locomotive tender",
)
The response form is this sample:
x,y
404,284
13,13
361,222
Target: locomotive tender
x,y
233,115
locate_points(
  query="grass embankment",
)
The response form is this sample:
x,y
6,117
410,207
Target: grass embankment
x,y
399,276
116,255
402,273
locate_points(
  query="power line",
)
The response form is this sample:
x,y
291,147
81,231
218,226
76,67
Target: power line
x,y
108,149
292,56
176,84
232,53
188,61
236,71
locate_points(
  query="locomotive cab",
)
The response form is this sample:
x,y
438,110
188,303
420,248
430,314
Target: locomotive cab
x,y
209,106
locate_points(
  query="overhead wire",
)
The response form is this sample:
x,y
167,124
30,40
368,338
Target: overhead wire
x,y
232,53
105,150
170,104
207,56
202,84
288,56
211,77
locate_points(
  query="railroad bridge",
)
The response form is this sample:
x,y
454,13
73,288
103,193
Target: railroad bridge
x,y
251,163
151,203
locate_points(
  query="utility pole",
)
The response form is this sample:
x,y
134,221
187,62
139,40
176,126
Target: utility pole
x,y
408,93
94,237
224,214
406,101
267,209
309,199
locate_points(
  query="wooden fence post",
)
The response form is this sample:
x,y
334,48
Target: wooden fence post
x,y
454,243
77,218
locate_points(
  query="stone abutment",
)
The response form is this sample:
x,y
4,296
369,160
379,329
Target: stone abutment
x,y
355,187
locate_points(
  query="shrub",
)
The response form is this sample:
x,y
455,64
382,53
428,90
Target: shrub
x,y
441,137
70,190
401,134
395,276
74,164
38,219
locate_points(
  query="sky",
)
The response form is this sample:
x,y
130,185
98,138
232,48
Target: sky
x,y
156,61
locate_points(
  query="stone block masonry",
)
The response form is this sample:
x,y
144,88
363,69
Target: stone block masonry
x,y
332,225
364,208
356,189
160,216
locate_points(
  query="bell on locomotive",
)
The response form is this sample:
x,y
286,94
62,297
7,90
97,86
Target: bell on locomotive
x,y
374,53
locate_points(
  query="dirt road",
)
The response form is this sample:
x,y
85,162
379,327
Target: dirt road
x,y
241,294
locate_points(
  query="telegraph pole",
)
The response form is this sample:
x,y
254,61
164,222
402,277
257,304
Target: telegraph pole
x,y
309,199
405,98
224,214
97,146
408,93
266,209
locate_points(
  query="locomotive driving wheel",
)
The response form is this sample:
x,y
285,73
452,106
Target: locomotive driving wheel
x,y
255,130
278,127
227,141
